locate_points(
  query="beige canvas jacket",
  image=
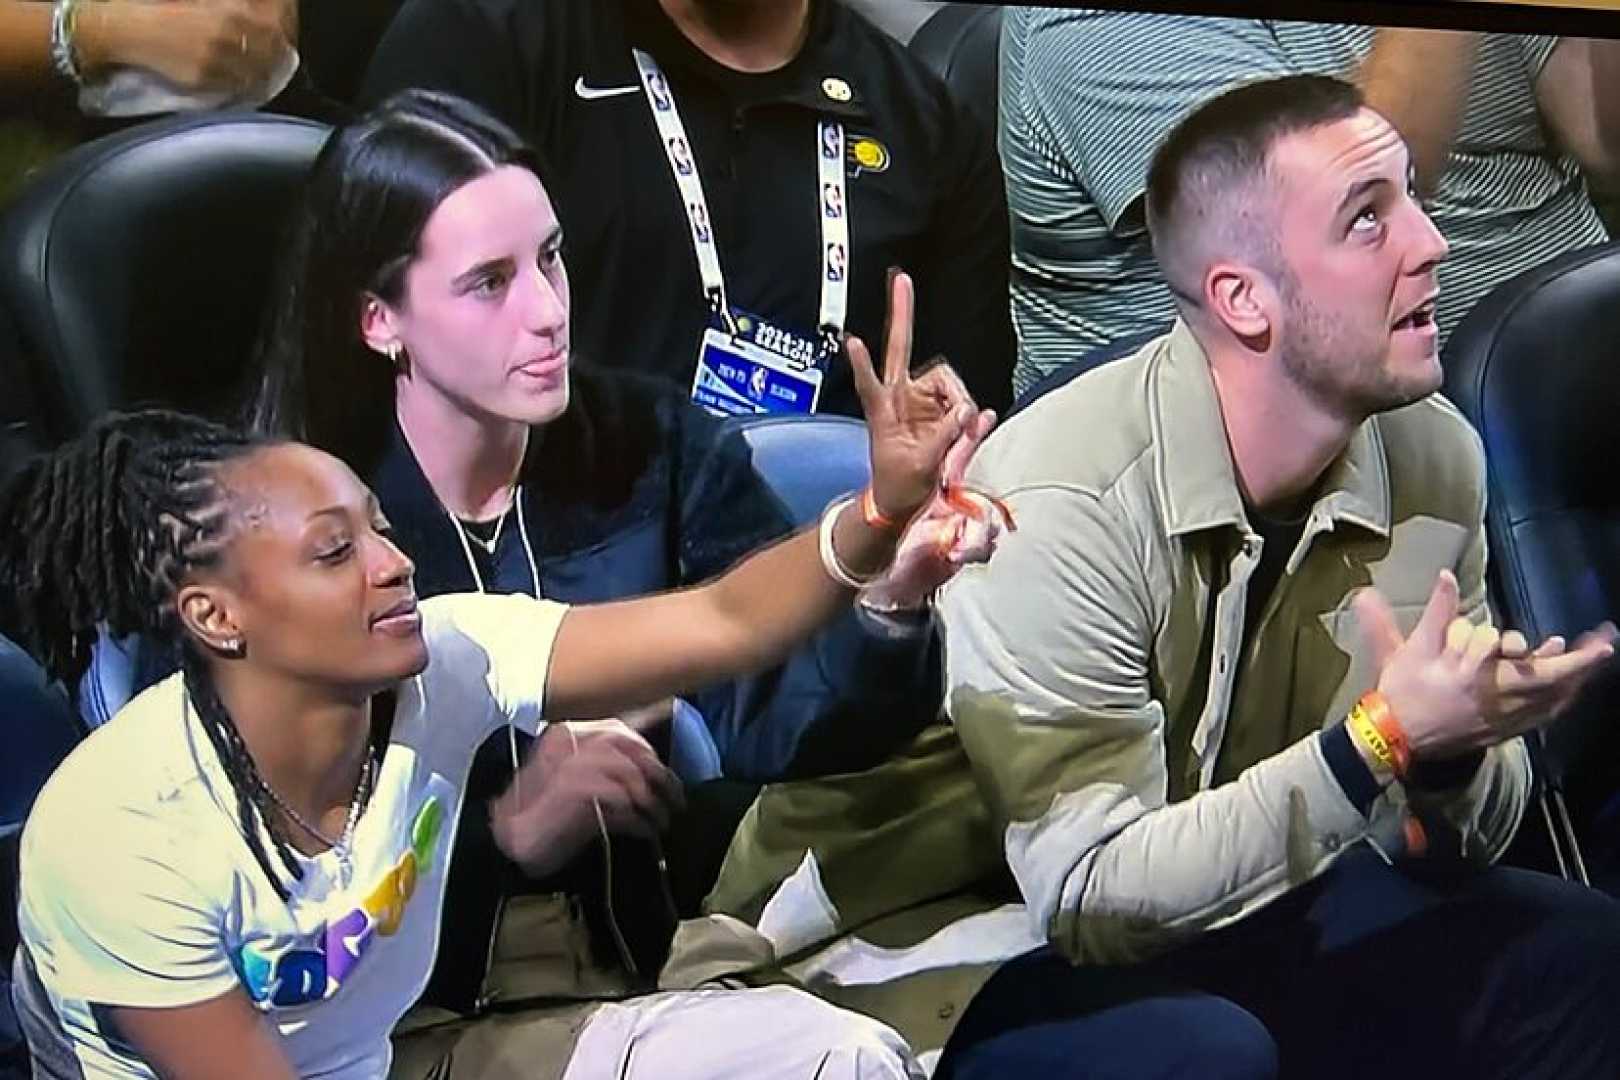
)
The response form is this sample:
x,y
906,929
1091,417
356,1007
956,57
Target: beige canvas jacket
x,y
1143,790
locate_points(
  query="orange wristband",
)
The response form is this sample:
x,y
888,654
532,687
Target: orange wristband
x,y
876,518
1375,707
955,498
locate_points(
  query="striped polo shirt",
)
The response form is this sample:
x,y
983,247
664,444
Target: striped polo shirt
x,y
1086,97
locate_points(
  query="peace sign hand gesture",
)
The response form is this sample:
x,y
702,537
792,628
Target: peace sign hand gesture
x,y
912,422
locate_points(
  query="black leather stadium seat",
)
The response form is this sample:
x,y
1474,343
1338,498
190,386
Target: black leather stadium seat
x,y
1534,367
136,267
20,416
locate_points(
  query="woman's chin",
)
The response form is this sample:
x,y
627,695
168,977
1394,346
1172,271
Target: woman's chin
x,y
405,658
543,402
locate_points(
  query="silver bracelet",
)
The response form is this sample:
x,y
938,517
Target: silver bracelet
x,y
829,556
64,58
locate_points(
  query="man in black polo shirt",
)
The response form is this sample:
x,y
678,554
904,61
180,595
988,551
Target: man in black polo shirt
x,y
768,249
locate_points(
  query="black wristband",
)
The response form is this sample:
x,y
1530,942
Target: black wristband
x,y
1446,775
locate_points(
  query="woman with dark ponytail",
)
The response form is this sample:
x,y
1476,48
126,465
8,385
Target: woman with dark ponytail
x,y
419,330
243,874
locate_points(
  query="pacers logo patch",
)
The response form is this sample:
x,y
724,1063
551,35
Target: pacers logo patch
x,y
866,154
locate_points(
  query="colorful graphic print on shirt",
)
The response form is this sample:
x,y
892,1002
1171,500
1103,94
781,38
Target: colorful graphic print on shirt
x,y
297,976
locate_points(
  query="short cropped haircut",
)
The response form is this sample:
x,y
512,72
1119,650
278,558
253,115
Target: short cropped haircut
x,y
1206,190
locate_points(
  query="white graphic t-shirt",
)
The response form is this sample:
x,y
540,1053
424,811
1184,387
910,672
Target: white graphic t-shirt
x,y
138,887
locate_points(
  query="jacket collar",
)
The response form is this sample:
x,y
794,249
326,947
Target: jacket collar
x,y
421,525
1193,469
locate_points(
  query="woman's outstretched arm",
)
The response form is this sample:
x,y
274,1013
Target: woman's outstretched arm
x,y
613,656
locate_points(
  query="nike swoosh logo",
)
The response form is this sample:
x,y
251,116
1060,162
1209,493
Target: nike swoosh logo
x,y
594,93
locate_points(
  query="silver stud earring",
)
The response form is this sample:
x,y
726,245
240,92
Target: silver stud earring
x,y
235,646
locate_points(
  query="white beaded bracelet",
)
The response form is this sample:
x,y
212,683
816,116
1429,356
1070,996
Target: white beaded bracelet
x,y
829,555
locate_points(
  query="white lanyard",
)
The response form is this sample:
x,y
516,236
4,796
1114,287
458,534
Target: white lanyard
x,y
478,580
523,534
832,210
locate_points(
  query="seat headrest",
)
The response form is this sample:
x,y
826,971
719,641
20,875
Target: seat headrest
x,y
136,267
21,423
806,461
1532,367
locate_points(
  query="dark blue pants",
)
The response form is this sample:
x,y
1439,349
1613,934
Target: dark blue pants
x,y
1368,971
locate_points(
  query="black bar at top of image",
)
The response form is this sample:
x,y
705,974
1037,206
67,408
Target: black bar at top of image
x,y
1510,18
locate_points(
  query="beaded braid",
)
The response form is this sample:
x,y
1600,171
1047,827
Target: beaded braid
x,y
252,795
103,532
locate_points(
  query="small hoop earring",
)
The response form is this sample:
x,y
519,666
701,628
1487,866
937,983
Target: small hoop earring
x,y
396,355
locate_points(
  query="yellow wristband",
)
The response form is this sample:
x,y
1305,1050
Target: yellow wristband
x,y
1376,712
1367,736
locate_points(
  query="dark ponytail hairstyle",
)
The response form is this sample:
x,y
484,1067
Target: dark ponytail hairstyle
x,y
356,231
103,532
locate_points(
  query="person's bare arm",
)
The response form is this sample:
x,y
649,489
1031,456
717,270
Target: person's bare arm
x,y
1579,97
1418,80
113,32
225,1036
610,657
25,41
223,45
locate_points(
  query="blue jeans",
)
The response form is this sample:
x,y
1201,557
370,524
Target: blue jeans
x,y
1368,971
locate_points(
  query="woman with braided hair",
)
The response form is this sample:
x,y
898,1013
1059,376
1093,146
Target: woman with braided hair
x,y
88,554
242,875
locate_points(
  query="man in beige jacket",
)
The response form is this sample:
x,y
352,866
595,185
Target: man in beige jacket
x,y
1152,684
1234,673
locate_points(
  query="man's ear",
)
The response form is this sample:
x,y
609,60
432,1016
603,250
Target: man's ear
x,y
1242,299
379,326
205,613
